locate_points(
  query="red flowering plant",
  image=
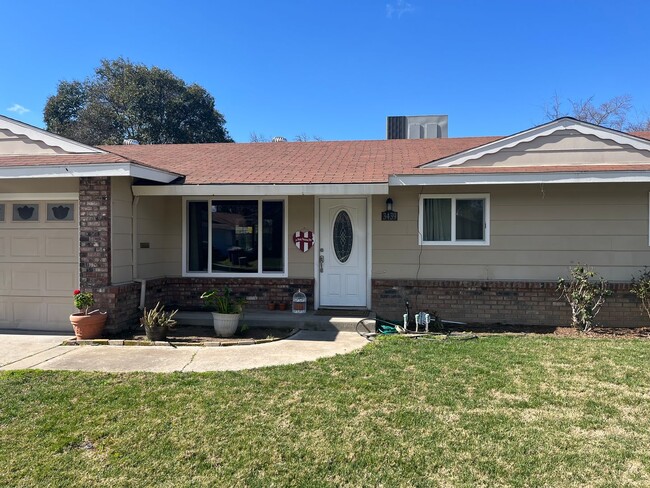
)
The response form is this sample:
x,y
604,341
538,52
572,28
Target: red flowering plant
x,y
83,301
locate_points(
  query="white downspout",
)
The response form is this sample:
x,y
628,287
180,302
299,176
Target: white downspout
x,y
134,249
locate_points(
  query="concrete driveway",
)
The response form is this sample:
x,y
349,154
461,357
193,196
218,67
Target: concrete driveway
x,y
40,351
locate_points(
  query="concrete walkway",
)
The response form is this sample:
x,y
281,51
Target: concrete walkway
x,y
35,351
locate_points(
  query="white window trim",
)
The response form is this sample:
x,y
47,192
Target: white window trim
x,y
454,197
259,274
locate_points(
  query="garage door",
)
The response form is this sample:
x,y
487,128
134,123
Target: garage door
x,y
39,264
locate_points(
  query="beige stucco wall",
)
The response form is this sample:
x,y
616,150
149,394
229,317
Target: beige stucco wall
x,y
121,230
19,144
40,185
563,148
159,224
301,216
537,232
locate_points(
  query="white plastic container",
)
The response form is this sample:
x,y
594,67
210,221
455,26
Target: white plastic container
x,y
299,302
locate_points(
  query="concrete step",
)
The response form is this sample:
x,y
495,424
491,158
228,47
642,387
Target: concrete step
x,y
278,319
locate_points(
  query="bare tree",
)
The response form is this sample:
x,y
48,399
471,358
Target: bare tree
x,y
303,137
255,137
612,113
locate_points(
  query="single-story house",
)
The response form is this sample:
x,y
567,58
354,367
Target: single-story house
x,y
476,228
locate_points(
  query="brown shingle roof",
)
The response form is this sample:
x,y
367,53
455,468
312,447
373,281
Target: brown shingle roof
x,y
296,162
60,159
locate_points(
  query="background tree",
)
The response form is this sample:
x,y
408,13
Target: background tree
x,y
613,113
303,137
124,100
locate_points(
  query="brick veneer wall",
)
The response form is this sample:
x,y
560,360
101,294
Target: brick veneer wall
x,y
491,302
185,293
122,301
94,233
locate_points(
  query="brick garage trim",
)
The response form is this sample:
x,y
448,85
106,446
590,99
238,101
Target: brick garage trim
x,y
492,302
94,233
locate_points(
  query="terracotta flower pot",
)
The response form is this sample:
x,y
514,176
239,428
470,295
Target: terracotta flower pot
x,y
88,326
282,305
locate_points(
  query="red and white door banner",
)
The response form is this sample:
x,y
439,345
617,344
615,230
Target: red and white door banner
x,y
304,240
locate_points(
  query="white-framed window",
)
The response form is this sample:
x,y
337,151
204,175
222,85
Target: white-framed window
x,y
235,237
460,219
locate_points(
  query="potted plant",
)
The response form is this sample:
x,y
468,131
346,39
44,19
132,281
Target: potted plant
x,y
86,325
157,322
226,311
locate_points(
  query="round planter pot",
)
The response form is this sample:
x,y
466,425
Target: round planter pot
x,y
88,326
225,324
156,333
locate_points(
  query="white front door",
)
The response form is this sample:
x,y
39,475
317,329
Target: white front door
x,y
342,256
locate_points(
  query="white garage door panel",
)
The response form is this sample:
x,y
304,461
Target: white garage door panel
x,y
46,245
25,280
61,247
31,313
38,279
60,280
39,270
25,247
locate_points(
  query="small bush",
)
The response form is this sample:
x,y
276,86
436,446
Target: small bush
x,y
585,292
641,288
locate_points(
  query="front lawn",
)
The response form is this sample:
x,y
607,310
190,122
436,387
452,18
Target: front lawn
x,y
517,411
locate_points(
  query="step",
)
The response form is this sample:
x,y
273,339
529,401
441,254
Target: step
x,y
279,319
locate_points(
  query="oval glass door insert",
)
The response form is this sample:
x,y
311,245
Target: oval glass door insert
x,y
342,236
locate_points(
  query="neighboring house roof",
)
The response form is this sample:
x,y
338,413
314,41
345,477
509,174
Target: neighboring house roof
x,y
295,162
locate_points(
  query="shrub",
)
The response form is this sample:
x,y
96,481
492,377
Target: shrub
x,y
157,317
83,300
641,288
585,292
222,301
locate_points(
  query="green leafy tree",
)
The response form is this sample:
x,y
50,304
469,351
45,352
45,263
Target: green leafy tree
x,y
124,100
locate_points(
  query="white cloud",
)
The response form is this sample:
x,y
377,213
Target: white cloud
x,y
398,8
19,109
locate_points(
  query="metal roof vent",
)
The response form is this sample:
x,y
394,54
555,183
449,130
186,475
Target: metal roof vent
x,y
416,127
279,139
130,142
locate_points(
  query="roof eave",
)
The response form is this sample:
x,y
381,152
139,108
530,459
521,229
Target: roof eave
x,y
521,178
259,189
87,170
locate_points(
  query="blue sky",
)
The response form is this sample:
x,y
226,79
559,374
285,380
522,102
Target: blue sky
x,y
336,69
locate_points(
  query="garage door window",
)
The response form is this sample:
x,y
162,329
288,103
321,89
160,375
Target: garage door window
x,y
57,212
25,212
2,212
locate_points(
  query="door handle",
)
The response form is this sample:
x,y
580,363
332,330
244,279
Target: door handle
x,y
321,261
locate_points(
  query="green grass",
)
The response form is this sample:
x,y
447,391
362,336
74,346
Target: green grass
x,y
515,411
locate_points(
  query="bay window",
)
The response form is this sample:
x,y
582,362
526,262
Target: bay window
x,y
235,237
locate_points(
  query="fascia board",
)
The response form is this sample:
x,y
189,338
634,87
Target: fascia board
x,y
85,170
262,190
521,178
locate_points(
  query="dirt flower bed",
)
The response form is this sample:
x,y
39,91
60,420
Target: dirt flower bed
x,y
606,332
188,335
